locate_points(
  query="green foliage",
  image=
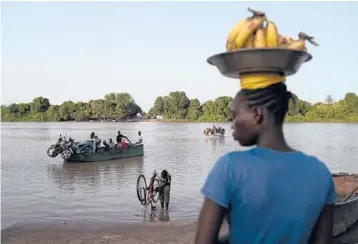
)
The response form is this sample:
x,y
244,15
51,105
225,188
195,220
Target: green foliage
x,y
176,105
114,106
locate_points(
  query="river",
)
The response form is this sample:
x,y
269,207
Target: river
x,y
35,187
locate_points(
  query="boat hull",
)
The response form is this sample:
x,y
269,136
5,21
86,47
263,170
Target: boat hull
x,y
345,213
128,152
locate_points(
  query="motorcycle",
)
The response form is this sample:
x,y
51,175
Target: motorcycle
x,y
57,148
66,148
67,151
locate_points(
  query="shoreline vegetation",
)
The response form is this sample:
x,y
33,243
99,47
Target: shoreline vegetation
x,y
176,107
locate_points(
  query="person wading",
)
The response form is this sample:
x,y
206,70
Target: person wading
x,y
165,180
271,193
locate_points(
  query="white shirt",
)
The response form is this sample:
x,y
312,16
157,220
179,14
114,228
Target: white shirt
x,y
140,139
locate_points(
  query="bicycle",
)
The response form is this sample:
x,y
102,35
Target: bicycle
x,y
147,195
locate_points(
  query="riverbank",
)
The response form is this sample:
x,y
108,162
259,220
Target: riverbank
x,y
288,120
109,233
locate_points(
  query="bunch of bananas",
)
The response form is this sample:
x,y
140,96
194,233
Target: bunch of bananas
x,y
258,32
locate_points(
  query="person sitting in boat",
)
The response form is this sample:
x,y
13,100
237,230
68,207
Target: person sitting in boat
x,y
123,143
140,138
221,131
96,140
111,143
120,136
208,132
106,147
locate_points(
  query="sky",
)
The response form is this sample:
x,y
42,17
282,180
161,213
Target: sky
x,y
84,50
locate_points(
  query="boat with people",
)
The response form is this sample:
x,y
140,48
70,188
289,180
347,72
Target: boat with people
x,y
130,151
214,132
94,149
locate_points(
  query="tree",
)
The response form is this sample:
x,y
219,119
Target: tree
x,y
329,99
39,104
194,110
176,105
67,110
158,108
14,108
223,108
24,109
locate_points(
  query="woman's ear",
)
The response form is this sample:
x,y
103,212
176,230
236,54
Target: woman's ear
x,y
258,115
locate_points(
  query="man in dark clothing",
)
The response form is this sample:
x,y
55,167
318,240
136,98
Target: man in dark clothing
x,y
120,137
106,146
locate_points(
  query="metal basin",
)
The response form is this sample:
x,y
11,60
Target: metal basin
x,y
265,60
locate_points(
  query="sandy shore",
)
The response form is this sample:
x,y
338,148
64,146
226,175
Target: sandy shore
x,y
109,233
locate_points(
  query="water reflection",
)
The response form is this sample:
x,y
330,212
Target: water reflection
x,y
91,176
153,215
215,142
164,216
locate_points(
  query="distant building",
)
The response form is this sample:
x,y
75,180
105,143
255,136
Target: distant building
x,y
159,117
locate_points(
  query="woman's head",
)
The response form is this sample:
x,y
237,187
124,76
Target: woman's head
x,y
92,135
256,111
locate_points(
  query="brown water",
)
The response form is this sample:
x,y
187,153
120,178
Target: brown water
x,y
35,187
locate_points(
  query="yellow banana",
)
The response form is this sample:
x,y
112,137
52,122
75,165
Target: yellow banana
x,y
233,33
272,39
248,30
260,38
244,29
250,42
300,43
285,40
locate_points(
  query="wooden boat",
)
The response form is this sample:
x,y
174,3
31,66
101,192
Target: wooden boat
x,y
346,208
133,151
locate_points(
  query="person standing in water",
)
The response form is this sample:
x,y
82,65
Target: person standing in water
x,y
165,180
271,193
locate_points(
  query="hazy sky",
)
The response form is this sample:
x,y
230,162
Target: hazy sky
x,y
81,51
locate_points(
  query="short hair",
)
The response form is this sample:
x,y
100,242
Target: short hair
x,y
164,174
274,98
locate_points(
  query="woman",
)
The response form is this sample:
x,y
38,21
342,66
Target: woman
x,y
271,193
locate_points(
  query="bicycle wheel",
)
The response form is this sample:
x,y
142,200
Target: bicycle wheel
x,y
155,193
142,189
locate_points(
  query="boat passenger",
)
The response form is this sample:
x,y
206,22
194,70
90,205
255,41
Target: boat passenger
x,y
140,138
123,143
120,136
106,146
271,193
111,143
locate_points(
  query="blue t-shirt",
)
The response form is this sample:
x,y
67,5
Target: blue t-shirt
x,y
271,197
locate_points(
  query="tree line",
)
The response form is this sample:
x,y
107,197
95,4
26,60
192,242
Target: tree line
x,y
176,106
